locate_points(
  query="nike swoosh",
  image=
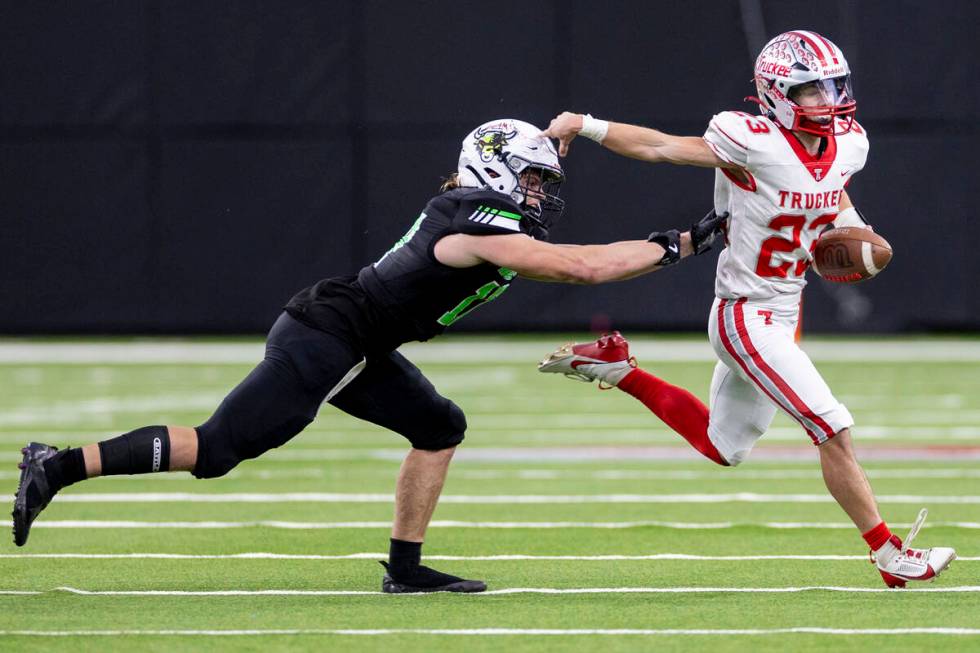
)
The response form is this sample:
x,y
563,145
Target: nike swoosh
x,y
577,363
844,173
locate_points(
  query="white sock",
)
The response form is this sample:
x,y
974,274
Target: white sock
x,y
613,373
887,551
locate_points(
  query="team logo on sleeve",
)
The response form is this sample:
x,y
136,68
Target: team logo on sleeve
x,y
491,139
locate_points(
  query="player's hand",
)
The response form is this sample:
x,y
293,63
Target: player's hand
x,y
705,230
565,127
670,241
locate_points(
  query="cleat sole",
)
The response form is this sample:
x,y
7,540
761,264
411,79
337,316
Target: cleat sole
x,y
389,586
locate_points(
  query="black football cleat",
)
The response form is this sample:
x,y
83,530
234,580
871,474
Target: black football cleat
x,y
34,492
423,579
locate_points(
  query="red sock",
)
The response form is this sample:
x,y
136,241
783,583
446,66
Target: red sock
x,y
678,408
877,536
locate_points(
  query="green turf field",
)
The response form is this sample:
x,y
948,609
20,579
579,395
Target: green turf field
x,y
558,487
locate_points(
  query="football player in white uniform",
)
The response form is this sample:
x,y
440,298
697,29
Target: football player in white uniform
x,y
781,176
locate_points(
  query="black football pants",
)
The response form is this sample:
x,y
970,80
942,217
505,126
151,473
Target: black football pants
x,y
303,367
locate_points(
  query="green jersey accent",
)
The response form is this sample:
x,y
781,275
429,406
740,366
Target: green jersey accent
x,y
500,212
410,294
404,239
484,294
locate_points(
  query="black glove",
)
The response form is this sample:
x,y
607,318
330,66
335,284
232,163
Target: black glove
x,y
671,242
705,230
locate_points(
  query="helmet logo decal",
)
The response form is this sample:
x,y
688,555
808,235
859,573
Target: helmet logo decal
x,y
797,58
491,139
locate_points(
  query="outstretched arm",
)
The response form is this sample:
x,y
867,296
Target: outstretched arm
x,y
585,264
533,259
635,142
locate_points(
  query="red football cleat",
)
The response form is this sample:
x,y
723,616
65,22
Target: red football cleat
x,y
607,359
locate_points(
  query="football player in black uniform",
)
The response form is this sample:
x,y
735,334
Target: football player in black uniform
x,y
337,342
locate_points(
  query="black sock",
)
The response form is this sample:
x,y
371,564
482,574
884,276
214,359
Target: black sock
x,y
141,451
65,468
404,557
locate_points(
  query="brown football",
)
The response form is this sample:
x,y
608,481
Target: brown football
x,y
850,254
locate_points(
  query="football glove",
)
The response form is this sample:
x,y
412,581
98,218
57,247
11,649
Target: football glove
x,y
705,230
671,242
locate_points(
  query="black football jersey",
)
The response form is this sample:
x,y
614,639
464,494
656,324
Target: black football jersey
x,y
407,294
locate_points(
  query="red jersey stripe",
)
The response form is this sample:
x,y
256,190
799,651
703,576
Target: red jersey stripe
x,y
726,135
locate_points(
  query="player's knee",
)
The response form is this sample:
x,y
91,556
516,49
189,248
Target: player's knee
x,y
236,433
215,456
444,433
731,447
735,458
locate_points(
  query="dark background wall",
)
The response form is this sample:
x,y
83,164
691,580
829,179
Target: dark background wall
x,y
185,166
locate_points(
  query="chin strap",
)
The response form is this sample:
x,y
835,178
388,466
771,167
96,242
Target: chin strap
x,y
767,111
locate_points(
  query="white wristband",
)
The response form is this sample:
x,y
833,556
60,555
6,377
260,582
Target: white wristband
x,y
593,128
849,217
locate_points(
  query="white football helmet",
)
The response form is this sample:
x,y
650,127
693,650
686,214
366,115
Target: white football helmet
x,y
495,154
801,57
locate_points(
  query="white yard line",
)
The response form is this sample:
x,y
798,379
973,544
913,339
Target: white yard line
x,y
691,475
916,453
491,499
641,427
961,589
628,453
490,632
476,350
440,523
654,433
488,558
554,474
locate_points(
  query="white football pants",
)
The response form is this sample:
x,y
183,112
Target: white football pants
x,y
760,369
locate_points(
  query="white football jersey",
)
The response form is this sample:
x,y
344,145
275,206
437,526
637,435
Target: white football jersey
x,y
778,213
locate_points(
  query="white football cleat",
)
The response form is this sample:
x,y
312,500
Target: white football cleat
x,y
607,359
913,564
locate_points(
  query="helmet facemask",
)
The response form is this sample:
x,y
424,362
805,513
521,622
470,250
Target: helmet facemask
x,y
834,112
536,190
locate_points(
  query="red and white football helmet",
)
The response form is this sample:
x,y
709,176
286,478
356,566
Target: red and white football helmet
x,y
801,57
